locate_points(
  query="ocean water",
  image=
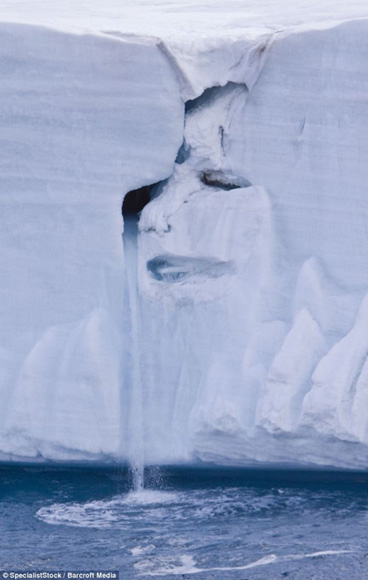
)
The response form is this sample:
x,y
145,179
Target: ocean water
x,y
188,523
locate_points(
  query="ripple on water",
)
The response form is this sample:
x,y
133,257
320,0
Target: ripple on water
x,y
219,531
105,513
186,564
156,506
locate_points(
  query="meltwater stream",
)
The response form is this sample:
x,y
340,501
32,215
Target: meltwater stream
x,y
136,405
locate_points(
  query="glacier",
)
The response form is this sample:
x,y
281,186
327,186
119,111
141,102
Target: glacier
x,y
226,322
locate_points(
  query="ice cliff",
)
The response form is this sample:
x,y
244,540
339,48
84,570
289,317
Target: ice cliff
x,y
250,318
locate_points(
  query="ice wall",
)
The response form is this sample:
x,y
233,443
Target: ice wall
x,y
251,256
84,118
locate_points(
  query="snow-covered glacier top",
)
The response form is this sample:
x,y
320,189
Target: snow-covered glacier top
x,y
197,33
178,18
230,325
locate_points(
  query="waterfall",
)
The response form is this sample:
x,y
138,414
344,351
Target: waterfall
x,y
136,404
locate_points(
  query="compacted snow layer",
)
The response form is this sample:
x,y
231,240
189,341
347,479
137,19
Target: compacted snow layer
x,y
251,254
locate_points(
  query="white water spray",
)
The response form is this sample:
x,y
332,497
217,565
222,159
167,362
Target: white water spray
x,y
136,406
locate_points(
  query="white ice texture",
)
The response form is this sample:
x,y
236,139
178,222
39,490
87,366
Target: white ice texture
x,y
245,295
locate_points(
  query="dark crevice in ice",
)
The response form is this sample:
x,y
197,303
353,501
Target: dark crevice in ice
x,y
176,269
220,180
209,95
183,153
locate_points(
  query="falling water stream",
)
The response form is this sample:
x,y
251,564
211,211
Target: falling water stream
x,y
136,406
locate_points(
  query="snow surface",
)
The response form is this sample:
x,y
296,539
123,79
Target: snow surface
x,y
252,274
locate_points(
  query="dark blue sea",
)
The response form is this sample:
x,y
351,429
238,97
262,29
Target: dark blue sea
x,y
189,523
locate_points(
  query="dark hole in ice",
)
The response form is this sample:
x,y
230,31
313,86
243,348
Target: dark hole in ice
x,y
135,200
174,269
205,98
210,95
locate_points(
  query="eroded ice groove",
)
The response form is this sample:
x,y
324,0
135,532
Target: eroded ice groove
x,y
288,378
220,180
179,269
205,63
342,374
202,64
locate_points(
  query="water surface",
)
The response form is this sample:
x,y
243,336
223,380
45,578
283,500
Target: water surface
x,y
189,523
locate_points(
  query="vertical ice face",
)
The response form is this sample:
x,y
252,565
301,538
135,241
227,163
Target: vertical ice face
x,y
84,118
304,139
